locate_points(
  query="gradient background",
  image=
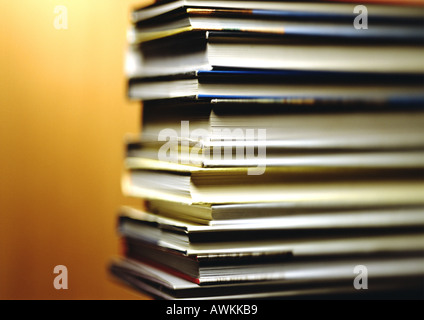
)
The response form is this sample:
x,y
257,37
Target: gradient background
x,y
63,117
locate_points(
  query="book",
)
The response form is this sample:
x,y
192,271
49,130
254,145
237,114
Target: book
x,y
204,254
152,179
271,22
284,9
221,134
215,155
285,214
334,88
391,278
305,222
199,51
290,236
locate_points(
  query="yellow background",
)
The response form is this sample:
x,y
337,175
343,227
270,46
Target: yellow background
x,y
63,117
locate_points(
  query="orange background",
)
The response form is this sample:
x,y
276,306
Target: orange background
x,y
63,117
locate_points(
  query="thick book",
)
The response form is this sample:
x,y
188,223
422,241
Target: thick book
x,y
308,224
232,268
399,277
225,253
342,187
272,23
332,87
224,134
317,10
232,240
204,51
220,154
280,215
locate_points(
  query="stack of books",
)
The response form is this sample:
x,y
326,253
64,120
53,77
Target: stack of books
x,y
281,152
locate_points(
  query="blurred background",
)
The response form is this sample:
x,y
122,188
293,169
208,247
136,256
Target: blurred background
x,y
63,118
